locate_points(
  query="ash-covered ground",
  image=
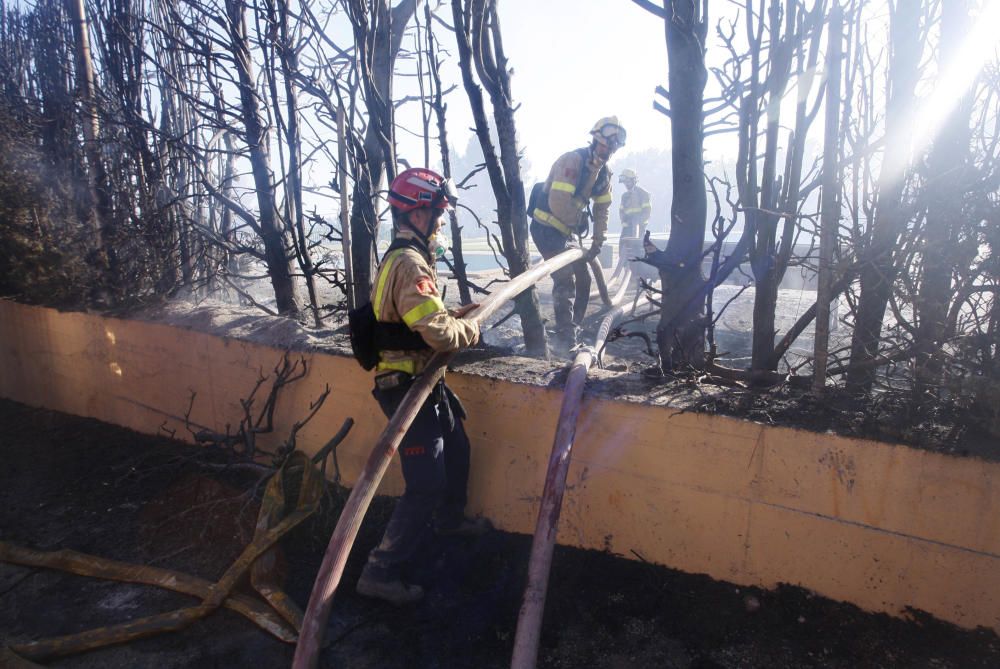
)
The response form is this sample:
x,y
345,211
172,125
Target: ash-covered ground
x,y
502,334
75,483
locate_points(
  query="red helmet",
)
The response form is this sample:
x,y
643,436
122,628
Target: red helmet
x,y
418,187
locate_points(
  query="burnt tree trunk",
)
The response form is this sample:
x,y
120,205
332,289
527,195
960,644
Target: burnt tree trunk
x,y
279,267
478,34
440,108
879,271
763,256
947,165
287,53
378,33
99,207
762,253
777,210
681,331
495,67
830,219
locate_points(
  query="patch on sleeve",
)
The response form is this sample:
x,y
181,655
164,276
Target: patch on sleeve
x,y
571,172
425,286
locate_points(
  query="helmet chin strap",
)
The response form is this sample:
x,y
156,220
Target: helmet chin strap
x,y
425,239
593,153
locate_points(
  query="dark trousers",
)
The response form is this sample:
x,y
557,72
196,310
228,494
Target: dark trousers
x,y
434,453
570,285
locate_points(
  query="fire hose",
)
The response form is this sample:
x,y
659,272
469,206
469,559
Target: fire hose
x,y
529,622
292,494
274,521
335,558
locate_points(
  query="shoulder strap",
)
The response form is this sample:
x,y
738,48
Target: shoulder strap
x,y
391,254
603,176
393,336
403,243
382,276
602,181
584,154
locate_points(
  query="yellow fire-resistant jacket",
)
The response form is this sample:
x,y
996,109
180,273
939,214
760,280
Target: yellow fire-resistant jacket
x,y
635,209
405,291
566,204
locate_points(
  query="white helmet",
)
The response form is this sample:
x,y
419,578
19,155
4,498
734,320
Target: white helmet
x,y
609,131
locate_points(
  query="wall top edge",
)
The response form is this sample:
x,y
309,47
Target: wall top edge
x,y
216,319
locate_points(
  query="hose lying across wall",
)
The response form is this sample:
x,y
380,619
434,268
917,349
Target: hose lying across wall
x,y
529,622
332,569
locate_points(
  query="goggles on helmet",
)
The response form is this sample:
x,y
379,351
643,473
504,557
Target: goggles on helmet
x,y
446,192
612,135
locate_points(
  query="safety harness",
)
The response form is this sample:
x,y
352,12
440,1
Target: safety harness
x,y
370,336
539,201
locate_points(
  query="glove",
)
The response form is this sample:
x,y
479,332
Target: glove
x,y
463,310
594,250
478,335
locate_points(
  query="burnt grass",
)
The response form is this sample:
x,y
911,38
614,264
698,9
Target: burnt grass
x,y
944,426
70,482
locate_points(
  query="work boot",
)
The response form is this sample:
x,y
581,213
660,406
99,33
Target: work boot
x,y
392,591
466,527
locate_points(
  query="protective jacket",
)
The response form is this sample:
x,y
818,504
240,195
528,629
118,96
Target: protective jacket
x,y
405,291
635,209
575,180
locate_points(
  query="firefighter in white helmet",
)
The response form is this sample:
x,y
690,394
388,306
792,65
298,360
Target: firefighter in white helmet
x,y
635,207
578,188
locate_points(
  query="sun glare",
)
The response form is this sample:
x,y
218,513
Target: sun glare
x,y
957,76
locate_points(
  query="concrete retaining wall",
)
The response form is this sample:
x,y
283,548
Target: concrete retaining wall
x,y
883,526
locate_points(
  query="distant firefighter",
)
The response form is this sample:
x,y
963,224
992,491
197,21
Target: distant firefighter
x,y
635,207
561,210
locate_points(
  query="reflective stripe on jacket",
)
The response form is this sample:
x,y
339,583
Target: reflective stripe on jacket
x,y
405,291
566,205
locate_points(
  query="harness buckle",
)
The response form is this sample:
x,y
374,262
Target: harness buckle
x,y
392,380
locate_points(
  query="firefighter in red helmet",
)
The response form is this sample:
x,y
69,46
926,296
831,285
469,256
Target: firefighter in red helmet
x,y
434,453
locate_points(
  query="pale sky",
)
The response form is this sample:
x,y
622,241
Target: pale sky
x,y
597,58
574,62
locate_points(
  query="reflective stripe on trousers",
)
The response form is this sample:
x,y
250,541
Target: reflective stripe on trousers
x,y
545,218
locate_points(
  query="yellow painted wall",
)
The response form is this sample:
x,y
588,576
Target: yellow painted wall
x,y
882,526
